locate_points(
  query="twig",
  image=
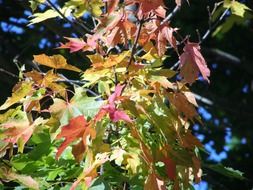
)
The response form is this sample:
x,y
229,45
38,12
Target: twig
x,y
69,21
204,37
9,73
171,15
135,44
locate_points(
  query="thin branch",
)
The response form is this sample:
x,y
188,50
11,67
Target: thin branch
x,y
212,27
135,44
171,15
204,37
69,21
9,73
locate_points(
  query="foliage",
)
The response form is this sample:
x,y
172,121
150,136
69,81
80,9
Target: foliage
x,y
128,135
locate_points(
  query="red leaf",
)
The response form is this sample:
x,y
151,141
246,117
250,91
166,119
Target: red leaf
x,y
154,183
170,167
192,63
75,129
74,44
117,115
118,28
165,33
147,7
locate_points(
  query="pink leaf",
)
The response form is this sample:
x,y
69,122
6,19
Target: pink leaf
x,y
119,115
74,44
192,63
117,93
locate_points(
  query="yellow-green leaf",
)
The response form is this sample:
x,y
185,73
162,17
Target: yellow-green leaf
x,y
24,89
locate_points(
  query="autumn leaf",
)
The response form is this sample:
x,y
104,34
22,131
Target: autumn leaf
x,y
28,181
74,44
180,101
98,62
48,80
154,183
71,132
20,91
192,63
90,172
117,28
20,131
114,114
164,34
147,7
77,44
170,167
55,61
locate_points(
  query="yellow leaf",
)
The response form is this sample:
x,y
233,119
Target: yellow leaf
x,y
24,89
55,61
39,17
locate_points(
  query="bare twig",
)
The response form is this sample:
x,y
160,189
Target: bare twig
x,y
212,27
9,73
171,15
69,21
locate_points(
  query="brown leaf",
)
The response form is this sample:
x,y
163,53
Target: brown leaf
x,y
154,183
181,103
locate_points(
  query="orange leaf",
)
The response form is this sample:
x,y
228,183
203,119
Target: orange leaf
x,y
71,132
55,61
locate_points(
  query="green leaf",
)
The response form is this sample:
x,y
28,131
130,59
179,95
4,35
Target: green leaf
x,y
99,184
226,171
88,106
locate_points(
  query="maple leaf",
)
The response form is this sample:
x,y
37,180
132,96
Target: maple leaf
x,y
20,131
48,80
182,104
71,132
55,61
76,44
98,62
149,6
19,91
117,28
154,183
27,181
114,114
192,63
165,33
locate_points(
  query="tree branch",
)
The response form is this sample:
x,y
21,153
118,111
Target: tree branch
x,y
171,15
135,44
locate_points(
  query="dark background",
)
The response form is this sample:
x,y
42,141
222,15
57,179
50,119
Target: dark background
x,y
225,104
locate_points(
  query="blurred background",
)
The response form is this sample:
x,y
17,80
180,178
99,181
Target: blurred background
x,y
225,105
